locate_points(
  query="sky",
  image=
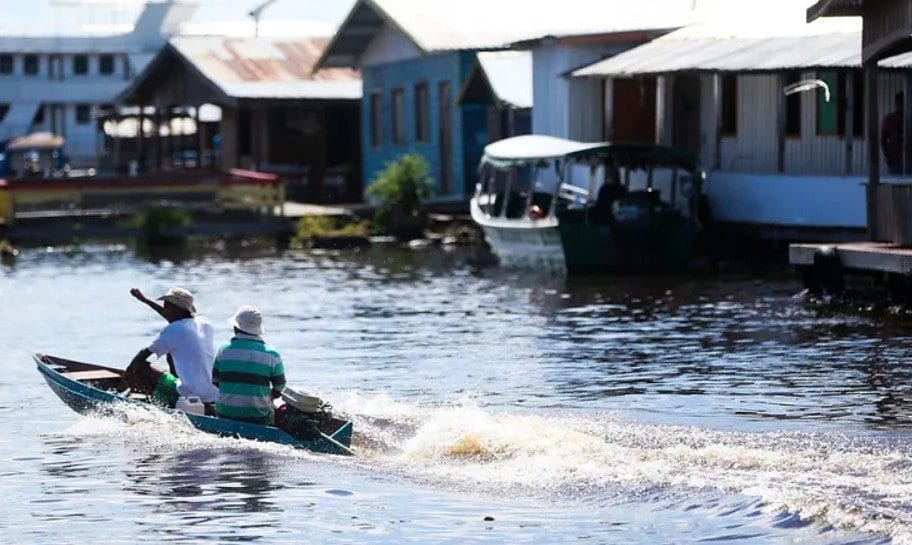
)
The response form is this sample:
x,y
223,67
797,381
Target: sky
x,y
69,16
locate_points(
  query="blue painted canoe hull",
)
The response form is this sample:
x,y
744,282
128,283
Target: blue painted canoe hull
x,y
84,398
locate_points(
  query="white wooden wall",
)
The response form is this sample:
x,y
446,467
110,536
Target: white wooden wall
x,y
754,149
568,107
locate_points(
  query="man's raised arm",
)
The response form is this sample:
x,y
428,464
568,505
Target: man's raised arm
x,y
152,304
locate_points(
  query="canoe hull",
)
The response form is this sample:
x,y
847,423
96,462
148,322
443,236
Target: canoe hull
x,y
86,399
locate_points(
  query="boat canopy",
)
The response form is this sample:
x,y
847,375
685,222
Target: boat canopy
x,y
531,148
641,156
535,147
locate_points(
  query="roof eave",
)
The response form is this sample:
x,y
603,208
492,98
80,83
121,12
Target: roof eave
x,y
831,8
354,61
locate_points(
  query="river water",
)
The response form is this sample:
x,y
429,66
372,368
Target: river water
x,y
663,410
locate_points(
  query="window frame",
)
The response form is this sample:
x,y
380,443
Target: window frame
x,y
25,64
80,120
422,100
376,119
7,64
729,105
793,107
102,59
78,69
397,116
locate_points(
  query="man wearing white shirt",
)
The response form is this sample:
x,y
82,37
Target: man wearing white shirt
x,y
188,340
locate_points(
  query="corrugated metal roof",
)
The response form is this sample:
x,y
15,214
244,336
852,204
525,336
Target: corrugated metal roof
x,y
268,67
446,25
749,47
509,74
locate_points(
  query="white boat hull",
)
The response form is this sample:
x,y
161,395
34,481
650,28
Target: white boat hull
x,y
523,244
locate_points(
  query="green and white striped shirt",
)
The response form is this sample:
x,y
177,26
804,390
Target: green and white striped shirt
x,y
244,370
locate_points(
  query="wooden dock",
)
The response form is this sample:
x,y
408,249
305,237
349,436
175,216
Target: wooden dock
x,y
857,256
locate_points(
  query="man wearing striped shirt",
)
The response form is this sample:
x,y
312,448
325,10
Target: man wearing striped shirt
x,y
248,372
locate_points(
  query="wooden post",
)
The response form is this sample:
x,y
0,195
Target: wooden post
x,y
661,110
717,112
872,121
158,139
141,142
780,123
200,138
607,109
849,120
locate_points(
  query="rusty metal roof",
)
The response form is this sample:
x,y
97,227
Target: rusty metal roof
x,y
281,68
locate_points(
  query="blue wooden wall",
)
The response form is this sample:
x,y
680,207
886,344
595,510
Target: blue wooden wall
x,y
433,69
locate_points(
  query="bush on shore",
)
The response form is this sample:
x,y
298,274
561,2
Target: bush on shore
x,y
157,224
401,187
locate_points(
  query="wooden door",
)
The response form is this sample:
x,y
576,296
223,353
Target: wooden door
x,y
633,110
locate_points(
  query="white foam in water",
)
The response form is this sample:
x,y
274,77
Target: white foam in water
x,y
854,484
850,483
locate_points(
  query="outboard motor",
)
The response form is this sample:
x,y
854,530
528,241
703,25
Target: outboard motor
x,y
302,415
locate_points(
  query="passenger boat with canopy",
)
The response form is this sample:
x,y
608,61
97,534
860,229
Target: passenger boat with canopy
x,y
87,388
636,209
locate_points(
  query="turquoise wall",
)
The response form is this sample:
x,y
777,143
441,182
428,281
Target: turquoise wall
x,y
432,70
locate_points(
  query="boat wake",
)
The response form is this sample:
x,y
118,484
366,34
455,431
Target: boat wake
x,y
853,483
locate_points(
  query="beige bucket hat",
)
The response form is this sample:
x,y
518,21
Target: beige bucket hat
x,y
180,297
248,319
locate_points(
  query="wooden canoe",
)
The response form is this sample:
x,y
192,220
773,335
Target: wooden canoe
x,y
86,387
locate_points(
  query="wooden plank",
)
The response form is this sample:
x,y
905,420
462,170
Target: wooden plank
x,y
858,256
99,374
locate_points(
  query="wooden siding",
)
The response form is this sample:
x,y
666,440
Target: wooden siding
x,y
433,69
568,107
754,148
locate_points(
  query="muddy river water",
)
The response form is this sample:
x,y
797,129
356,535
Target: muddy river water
x,y
614,410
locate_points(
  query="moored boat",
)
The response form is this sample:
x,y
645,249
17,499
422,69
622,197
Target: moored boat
x,y
86,388
636,211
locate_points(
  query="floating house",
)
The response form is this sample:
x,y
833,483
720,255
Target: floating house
x,y
417,56
772,105
272,112
58,84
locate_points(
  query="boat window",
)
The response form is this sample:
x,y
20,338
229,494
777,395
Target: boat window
x,y
6,64
499,186
519,195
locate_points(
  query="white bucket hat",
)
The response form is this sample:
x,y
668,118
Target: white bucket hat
x,y
248,319
180,297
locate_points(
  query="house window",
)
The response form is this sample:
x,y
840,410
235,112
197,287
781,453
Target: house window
x,y
30,64
422,106
81,65
398,116
376,119
6,64
793,108
730,105
858,104
83,114
106,64
830,117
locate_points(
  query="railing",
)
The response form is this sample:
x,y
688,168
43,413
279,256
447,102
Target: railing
x,y
232,190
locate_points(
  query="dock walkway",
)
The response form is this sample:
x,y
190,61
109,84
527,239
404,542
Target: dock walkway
x,y
859,256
